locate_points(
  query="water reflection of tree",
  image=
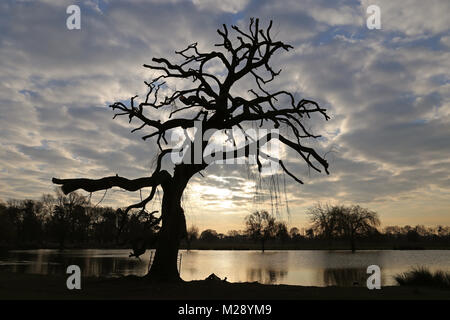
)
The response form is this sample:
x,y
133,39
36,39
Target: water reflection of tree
x,y
265,275
344,277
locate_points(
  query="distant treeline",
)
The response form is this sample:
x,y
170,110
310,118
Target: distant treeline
x,y
391,237
331,227
72,221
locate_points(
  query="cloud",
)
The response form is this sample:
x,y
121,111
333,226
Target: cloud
x,y
233,6
414,17
387,92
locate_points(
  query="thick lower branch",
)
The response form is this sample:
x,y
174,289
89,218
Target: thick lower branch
x,y
91,185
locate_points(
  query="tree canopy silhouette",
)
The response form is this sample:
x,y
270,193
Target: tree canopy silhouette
x,y
260,226
211,100
349,222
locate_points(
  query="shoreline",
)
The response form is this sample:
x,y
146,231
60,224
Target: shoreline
x,y
14,286
231,249
239,247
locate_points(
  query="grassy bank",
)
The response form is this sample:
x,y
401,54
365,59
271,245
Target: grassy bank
x,y
423,277
28,286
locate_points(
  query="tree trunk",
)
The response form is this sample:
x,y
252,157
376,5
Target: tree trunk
x,y
352,243
173,229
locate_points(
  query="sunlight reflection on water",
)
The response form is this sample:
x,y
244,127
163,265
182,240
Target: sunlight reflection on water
x,y
308,268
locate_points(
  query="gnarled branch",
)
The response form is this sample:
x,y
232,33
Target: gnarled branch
x,y
212,101
92,185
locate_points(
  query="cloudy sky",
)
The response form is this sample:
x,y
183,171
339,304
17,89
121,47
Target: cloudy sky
x,y
387,91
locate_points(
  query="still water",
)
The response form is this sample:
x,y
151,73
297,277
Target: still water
x,y
307,268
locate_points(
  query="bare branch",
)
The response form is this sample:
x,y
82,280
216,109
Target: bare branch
x,y
91,185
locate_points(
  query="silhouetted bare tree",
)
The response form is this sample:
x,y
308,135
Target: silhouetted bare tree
x,y
348,222
294,233
281,231
355,221
260,226
325,219
209,235
191,235
212,100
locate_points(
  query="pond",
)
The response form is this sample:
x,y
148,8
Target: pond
x,y
307,268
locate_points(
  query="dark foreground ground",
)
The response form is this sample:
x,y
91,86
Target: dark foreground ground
x,y
28,286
